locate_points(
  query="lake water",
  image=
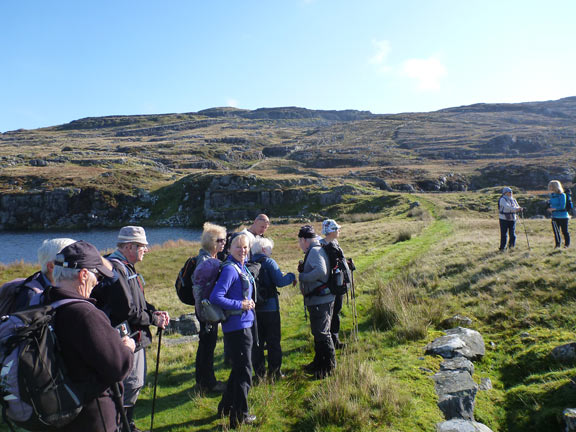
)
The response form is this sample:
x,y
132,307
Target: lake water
x,y
16,246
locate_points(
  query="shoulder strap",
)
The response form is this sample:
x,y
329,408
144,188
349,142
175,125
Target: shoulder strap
x,y
63,302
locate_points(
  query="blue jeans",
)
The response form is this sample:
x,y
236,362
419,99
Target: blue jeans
x,y
507,227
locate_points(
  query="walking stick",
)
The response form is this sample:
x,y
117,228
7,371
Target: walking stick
x,y
156,379
120,404
525,231
352,267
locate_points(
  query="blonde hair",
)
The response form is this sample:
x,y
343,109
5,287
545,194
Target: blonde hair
x,y
210,234
555,186
238,237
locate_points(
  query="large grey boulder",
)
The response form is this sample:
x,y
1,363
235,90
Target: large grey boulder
x,y
186,325
456,392
565,353
462,426
459,341
457,364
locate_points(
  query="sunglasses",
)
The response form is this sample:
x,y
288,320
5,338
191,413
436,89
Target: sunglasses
x,y
220,240
96,274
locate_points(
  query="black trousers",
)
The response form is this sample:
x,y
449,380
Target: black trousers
x,y
325,355
507,227
269,336
335,322
561,225
235,396
205,356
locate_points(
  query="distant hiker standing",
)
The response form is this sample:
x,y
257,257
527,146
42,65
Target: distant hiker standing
x,y
560,216
331,232
233,292
213,240
122,299
269,279
313,277
257,229
508,210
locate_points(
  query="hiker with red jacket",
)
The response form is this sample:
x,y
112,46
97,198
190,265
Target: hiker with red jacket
x,y
233,292
122,299
93,352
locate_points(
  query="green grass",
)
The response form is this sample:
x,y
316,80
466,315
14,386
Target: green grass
x,y
522,302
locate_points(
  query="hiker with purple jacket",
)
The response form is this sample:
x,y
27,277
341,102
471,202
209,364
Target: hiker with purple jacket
x,y
233,292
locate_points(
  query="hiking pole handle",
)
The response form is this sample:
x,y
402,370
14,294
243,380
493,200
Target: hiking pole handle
x,y
156,379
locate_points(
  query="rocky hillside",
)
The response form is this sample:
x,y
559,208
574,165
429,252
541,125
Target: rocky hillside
x,y
107,170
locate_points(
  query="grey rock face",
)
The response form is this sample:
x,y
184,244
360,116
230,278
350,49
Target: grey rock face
x,y
565,353
459,341
457,364
456,321
186,325
456,392
461,426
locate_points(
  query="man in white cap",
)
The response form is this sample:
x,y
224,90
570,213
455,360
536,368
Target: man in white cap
x,y
331,232
122,299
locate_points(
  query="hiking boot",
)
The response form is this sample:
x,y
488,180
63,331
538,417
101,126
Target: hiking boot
x,y
310,367
248,419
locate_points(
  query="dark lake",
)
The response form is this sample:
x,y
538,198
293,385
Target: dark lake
x,y
16,246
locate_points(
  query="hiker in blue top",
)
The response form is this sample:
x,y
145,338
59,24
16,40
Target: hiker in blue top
x,y
559,213
268,309
508,210
233,292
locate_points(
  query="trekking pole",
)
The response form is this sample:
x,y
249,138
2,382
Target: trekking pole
x,y
352,268
118,399
156,379
525,230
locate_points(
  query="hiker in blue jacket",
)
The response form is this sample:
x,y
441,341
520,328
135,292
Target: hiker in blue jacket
x,y
268,309
560,216
508,210
233,292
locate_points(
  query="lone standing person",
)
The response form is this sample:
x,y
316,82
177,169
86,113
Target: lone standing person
x,y
318,300
560,216
122,298
508,210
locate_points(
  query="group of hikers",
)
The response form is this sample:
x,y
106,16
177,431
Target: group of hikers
x,y
103,322
559,206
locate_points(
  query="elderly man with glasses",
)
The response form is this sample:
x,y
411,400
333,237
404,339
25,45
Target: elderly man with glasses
x,y
122,298
94,355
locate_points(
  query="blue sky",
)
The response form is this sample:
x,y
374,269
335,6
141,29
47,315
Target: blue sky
x,y
61,60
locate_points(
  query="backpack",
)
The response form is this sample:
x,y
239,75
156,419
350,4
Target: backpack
x,y
339,276
265,288
36,393
569,205
183,282
12,298
205,277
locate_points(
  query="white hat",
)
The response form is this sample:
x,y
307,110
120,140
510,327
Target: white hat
x,y
132,234
329,226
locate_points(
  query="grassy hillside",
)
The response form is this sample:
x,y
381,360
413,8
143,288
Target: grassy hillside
x,y
416,267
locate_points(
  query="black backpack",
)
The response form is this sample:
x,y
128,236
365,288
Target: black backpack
x,y
569,204
339,276
183,282
265,288
36,392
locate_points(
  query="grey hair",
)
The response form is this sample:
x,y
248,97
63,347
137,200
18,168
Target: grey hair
x,y
49,249
61,273
261,244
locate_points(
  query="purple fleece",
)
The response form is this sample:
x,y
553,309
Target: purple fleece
x,y
227,294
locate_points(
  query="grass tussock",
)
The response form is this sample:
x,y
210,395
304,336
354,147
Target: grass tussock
x,y
403,235
356,396
399,307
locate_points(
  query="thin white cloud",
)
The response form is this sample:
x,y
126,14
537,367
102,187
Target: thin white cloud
x,y
427,72
232,103
382,50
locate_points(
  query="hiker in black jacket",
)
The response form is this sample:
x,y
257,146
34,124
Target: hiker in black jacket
x,y
122,298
